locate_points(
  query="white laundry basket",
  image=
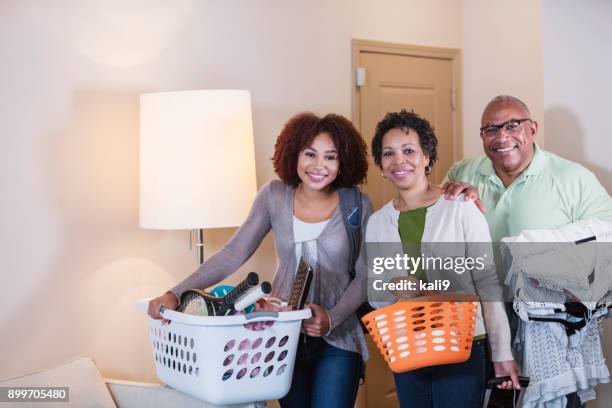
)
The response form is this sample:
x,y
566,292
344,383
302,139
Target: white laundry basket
x,y
219,360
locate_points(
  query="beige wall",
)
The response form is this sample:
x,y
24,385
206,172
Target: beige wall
x,y
74,259
502,54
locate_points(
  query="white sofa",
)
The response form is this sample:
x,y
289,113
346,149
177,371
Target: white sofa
x,y
87,388
128,394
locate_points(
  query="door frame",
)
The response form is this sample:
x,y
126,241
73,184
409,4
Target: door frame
x,y
451,54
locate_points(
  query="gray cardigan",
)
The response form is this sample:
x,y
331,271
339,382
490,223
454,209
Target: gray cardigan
x,y
332,287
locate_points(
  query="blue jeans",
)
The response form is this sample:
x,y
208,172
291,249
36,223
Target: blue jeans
x,y
446,386
324,376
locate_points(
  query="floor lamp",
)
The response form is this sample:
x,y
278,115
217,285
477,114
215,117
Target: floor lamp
x,y
197,160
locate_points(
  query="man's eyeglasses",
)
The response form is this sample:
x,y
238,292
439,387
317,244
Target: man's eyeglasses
x,y
511,127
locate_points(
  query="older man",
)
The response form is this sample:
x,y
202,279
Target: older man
x,y
522,186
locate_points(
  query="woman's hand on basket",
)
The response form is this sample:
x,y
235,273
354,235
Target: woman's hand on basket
x,y
318,324
507,368
168,299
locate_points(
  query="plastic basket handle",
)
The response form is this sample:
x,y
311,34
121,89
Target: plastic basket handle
x,y
263,313
168,314
255,315
444,297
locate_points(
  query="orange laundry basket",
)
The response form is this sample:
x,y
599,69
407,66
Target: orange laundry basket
x,y
424,331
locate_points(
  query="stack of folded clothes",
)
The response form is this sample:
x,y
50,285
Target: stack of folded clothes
x,y
561,281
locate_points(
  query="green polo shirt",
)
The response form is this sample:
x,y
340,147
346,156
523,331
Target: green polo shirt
x,y
550,193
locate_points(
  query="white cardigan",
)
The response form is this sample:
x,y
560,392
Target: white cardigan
x,y
456,221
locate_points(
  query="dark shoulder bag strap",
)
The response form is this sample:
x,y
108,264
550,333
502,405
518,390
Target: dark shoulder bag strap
x,y
350,205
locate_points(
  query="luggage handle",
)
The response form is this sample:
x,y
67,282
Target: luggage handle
x,y
492,382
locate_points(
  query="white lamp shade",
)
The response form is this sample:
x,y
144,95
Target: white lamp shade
x,y
197,159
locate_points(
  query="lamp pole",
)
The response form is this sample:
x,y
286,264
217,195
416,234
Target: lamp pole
x,y
200,245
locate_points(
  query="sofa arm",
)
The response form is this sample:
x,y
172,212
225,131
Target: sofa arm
x,y
132,394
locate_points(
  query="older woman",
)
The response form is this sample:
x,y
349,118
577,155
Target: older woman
x,y
405,149
314,158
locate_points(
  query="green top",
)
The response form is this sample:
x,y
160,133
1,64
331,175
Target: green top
x,y
411,225
550,193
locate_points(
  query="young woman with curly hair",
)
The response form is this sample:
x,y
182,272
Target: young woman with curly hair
x,y
314,158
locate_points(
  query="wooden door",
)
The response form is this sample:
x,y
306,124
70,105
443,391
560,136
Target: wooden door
x,y
419,80
398,77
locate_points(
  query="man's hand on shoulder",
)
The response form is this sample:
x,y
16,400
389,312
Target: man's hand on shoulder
x,y
452,189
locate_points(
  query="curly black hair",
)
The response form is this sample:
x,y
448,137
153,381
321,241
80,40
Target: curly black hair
x,y
405,121
300,131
